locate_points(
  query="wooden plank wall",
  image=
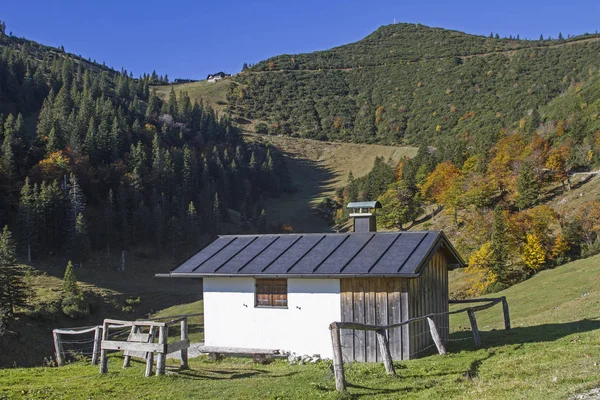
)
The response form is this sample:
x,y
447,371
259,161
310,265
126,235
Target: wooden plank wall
x,y
375,301
428,294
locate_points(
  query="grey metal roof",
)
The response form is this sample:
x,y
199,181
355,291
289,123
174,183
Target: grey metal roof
x,y
377,254
364,204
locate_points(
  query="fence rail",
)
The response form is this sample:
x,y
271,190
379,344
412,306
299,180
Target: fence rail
x,y
381,331
102,335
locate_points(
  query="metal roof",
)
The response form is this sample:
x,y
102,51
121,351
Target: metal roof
x,y
376,254
364,204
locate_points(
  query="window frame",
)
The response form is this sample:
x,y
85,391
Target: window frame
x,y
270,283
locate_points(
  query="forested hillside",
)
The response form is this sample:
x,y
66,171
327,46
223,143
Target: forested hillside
x,y
91,158
415,84
501,208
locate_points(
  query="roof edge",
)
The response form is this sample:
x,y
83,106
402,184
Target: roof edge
x,y
439,241
307,276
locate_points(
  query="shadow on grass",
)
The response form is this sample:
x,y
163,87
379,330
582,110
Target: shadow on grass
x,y
520,335
228,374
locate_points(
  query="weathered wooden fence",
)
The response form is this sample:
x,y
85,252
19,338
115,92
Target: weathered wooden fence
x,y
143,343
381,331
135,335
57,335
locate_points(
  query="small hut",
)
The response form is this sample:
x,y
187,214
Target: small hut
x,y
282,291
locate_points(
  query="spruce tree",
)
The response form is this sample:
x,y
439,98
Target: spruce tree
x,y
13,290
80,246
499,244
52,144
528,187
69,284
27,217
8,158
73,304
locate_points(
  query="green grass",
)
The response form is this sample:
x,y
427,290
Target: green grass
x,y
195,324
214,94
552,352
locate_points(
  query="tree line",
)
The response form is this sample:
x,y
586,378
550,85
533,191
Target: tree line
x,y
93,159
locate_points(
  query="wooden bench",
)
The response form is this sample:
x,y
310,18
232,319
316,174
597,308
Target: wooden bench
x,y
262,356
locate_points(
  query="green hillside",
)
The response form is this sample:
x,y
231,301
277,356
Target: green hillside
x,y
551,352
415,84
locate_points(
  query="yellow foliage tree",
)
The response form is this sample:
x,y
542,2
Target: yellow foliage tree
x,y
439,181
561,246
54,166
533,253
557,163
508,152
480,273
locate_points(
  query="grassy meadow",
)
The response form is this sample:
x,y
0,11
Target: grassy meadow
x,y
552,352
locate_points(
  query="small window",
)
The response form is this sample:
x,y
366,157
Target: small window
x,y
271,293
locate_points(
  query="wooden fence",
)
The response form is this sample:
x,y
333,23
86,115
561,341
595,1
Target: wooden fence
x,y
58,342
145,343
381,331
58,338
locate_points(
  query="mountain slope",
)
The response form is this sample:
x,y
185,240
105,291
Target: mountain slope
x,y
412,83
551,352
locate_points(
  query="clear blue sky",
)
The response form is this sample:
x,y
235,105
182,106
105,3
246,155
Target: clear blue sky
x,y
194,38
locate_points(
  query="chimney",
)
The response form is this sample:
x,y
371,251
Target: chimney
x,y
363,213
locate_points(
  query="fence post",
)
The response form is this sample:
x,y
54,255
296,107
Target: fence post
x,y
506,313
184,351
474,328
58,349
150,354
103,358
384,349
126,358
96,345
161,358
436,336
338,360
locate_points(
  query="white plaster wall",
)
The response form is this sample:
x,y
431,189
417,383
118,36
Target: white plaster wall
x,y
230,318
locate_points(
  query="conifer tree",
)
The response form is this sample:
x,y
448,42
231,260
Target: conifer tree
x,y
528,187
73,301
27,217
80,246
52,144
13,291
69,284
499,245
8,158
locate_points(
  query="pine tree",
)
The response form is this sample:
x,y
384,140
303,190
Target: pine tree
x,y
27,217
80,247
52,144
13,290
528,187
499,245
73,304
70,285
46,117
8,158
